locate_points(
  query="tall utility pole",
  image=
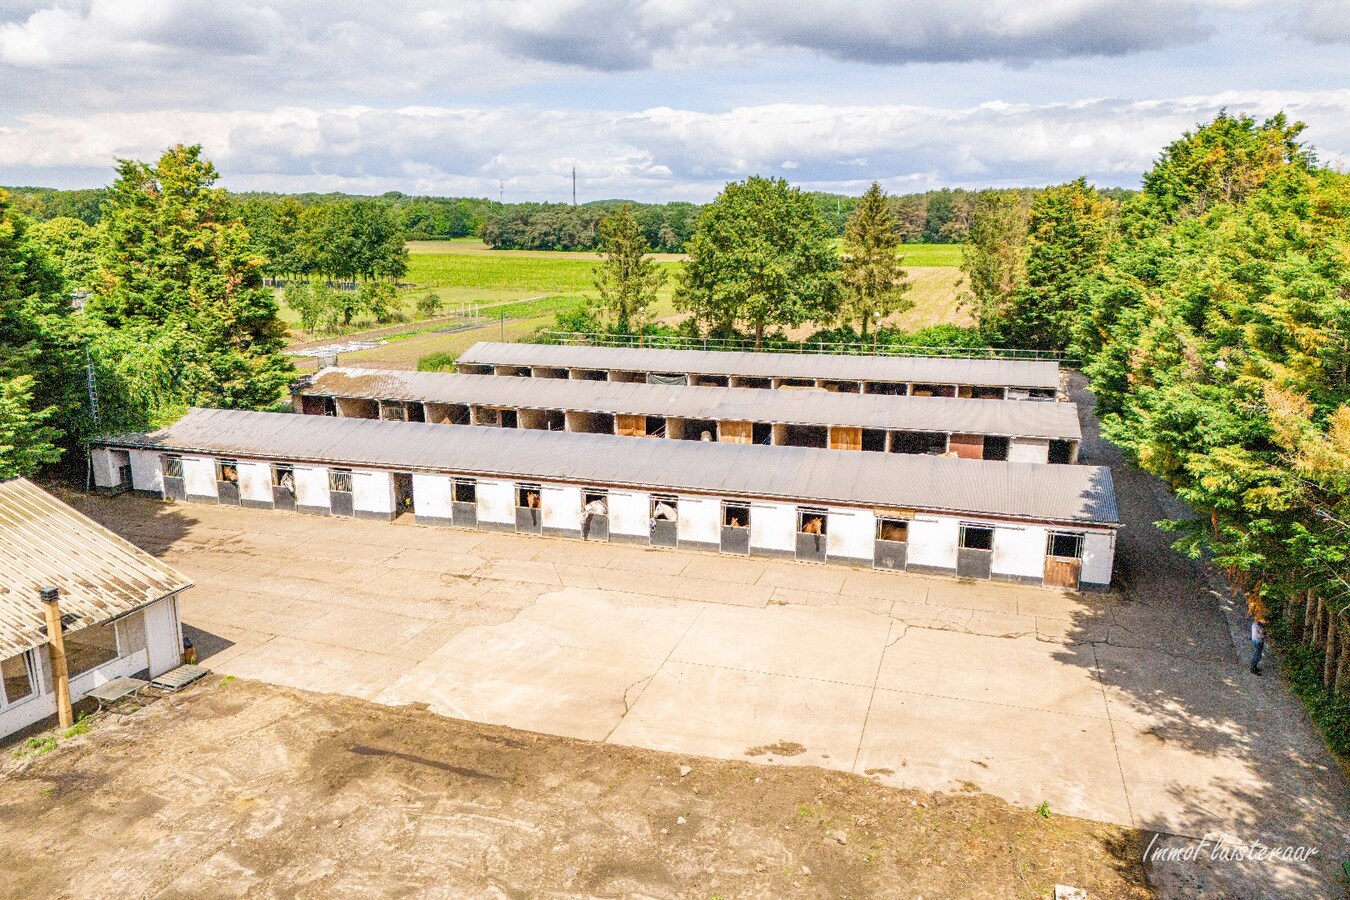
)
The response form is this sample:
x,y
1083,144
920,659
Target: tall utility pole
x,y
574,185
501,191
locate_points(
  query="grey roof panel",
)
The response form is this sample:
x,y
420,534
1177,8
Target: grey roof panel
x,y
1021,490
45,543
1014,418
940,370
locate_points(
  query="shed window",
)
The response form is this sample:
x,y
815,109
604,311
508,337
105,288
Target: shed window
x,y
977,537
466,490
665,508
340,480
284,476
595,502
1065,545
893,530
735,515
812,521
227,470
90,647
17,683
172,465
527,496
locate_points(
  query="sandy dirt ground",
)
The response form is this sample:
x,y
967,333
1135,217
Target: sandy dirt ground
x,y
239,789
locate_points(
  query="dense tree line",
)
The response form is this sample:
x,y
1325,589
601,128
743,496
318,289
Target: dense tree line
x,y
175,313
1211,312
559,226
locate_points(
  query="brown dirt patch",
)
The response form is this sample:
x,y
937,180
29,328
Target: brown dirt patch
x,y
241,789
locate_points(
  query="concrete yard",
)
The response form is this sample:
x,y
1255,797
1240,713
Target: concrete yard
x,y
1131,708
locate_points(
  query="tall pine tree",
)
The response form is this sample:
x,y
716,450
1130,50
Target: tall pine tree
x,y
872,272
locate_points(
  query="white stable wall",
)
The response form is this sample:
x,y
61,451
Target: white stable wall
x,y
1030,450
1099,553
1019,550
199,476
851,534
101,460
432,495
373,492
700,520
311,487
255,481
562,507
932,542
773,526
147,473
629,513
496,501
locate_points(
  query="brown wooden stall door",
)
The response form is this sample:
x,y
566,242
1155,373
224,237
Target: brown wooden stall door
x,y
967,446
844,438
1062,572
735,432
631,426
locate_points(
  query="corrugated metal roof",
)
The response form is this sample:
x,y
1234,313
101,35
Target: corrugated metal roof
x,y
1020,490
45,543
1015,418
923,369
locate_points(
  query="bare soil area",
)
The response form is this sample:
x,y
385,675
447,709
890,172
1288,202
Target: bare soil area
x,y
236,788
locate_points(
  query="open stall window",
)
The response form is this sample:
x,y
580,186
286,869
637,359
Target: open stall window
x,y
283,477
1060,452
91,647
977,537
886,388
896,530
1065,545
16,679
527,496
466,490
227,471
996,447
735,515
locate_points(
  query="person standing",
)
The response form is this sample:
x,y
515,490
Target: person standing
x,y
1258,644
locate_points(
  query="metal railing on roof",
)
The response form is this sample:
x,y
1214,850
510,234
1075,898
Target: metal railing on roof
x,y
856,348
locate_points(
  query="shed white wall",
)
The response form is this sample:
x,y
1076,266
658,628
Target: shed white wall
x,y
147,473
561,506
496,501
700,520
1099,553
850,534
773,526
163,636
199,476
1031,450
311,487
932,542
432,495
1019,550
105,467
373,492
629,513
255,481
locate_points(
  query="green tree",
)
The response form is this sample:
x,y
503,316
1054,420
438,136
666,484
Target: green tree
x,y
1069,231
994,261
181,277
628,280
760,255
872,273
40,379
429,304
310,305
70,245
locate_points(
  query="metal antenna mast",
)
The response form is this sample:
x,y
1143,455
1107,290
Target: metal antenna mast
x,y
574,185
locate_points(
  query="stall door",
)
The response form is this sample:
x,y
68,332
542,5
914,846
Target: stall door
x,y
161,637
1063,560
975,552
174,486
811,534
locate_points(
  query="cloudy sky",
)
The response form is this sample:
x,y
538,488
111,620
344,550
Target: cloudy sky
x,y
652,99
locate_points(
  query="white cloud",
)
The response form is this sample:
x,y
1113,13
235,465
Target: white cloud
x,y
657,153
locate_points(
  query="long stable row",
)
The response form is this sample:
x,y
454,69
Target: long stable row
x,y
916,376
976,519
993,429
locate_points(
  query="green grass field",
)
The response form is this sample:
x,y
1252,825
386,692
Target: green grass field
x,y
532,287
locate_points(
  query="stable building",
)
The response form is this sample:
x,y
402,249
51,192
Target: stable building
x,y
994,430
118,605
1025,522
913,376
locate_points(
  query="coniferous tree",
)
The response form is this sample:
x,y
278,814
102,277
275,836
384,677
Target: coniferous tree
x,y
871,270
628,279
994,261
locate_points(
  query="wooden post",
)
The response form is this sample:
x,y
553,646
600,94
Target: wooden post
x,y
56,648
